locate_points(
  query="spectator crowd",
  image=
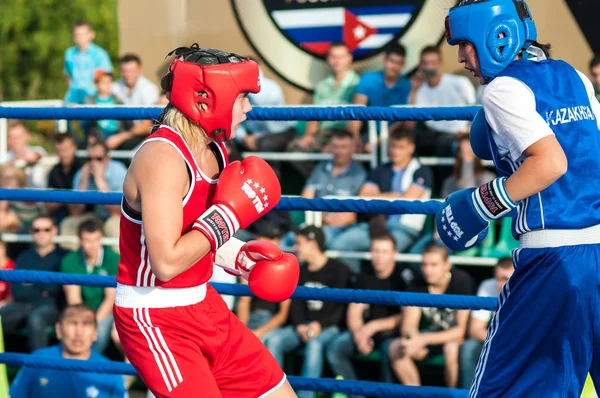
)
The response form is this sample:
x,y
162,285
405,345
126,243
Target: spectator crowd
x,y
410,345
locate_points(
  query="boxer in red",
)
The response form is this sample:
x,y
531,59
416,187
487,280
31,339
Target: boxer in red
x,y
182,204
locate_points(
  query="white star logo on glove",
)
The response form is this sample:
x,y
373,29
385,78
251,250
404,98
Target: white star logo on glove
x,y
266,205
445,227
449,233
262,190
265,197
256,185
456,238
249,181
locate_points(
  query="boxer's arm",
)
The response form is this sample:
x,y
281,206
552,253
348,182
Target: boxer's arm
x,y
162,180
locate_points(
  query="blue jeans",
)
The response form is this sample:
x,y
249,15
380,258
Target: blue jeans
x,y
286,339
468,356
103,334
339,355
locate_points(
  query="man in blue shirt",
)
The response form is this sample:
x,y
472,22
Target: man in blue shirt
x,y
385,87
81,61
76,330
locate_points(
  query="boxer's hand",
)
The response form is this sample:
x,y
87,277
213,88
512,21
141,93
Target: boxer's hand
x,y
275,280
463,220
252,252
246,191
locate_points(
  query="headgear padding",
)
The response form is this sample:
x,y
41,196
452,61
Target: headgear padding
x,y
481,22
220,75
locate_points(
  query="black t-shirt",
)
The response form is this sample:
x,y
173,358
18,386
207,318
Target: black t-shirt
x,y
436,319
395,282
258,304
58,179
334,274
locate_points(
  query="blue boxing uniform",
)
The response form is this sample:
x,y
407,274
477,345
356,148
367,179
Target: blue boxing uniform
x,y
50,383
542,340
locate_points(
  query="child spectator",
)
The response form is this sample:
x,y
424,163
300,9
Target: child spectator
x,y
104,128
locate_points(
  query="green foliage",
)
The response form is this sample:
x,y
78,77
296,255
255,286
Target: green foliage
x,y
34,36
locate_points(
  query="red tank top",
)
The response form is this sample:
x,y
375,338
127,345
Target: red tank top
x,y
134,265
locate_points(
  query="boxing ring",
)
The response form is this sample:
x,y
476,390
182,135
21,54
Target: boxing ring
x,y
302,293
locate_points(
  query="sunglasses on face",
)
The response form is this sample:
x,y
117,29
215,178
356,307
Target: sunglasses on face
x,y
97,159
38,230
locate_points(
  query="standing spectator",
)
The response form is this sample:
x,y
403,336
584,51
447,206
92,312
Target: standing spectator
x,y
102,174
81,61
133,89
19,214
5,265
104,128
369,325
35,305
428,332
314,323
340,176
93,259
403,178
385,87
336,89
595,74
437,88
480,321
76,331
25,156
61,175
266,135
262,317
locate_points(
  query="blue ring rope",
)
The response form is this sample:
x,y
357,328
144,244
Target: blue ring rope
x,y
258,113
299,383
378,297
330,205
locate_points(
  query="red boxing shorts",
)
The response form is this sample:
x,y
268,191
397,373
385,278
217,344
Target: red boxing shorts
x,y
196,350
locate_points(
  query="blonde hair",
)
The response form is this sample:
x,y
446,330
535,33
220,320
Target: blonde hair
x,y
192,134
19,174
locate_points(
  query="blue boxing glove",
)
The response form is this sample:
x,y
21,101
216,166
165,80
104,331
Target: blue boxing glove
x,y
463,220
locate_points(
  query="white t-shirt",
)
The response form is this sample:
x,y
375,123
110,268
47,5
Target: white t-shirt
x,y
486,289
510,110
453,90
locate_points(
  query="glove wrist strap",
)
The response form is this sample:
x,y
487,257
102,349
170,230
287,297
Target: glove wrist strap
x,y
218,224
491,200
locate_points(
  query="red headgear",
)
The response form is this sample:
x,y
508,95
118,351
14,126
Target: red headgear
x,y
221,75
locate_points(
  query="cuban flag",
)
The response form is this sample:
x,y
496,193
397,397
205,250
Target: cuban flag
x,y
363,29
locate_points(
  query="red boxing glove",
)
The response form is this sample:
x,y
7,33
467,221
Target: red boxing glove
x,y
275,280
246,191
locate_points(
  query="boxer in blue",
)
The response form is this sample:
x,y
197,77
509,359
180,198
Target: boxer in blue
x,y
539,124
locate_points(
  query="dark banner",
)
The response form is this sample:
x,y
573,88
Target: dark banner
x,y
586,13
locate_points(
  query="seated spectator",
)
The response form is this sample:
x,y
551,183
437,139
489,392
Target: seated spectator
x,y
76,331
266,135
369,325
468,171
262,317
595,74
61,175
19,214
436,88
81,61
5,265
428,332
93,259
99,173
403,178
35,305
385,87
133,89
25,156
480,320
314,324
104,97
340,176
336,89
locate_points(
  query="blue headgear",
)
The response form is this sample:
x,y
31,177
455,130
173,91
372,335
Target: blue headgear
x,y
480,22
